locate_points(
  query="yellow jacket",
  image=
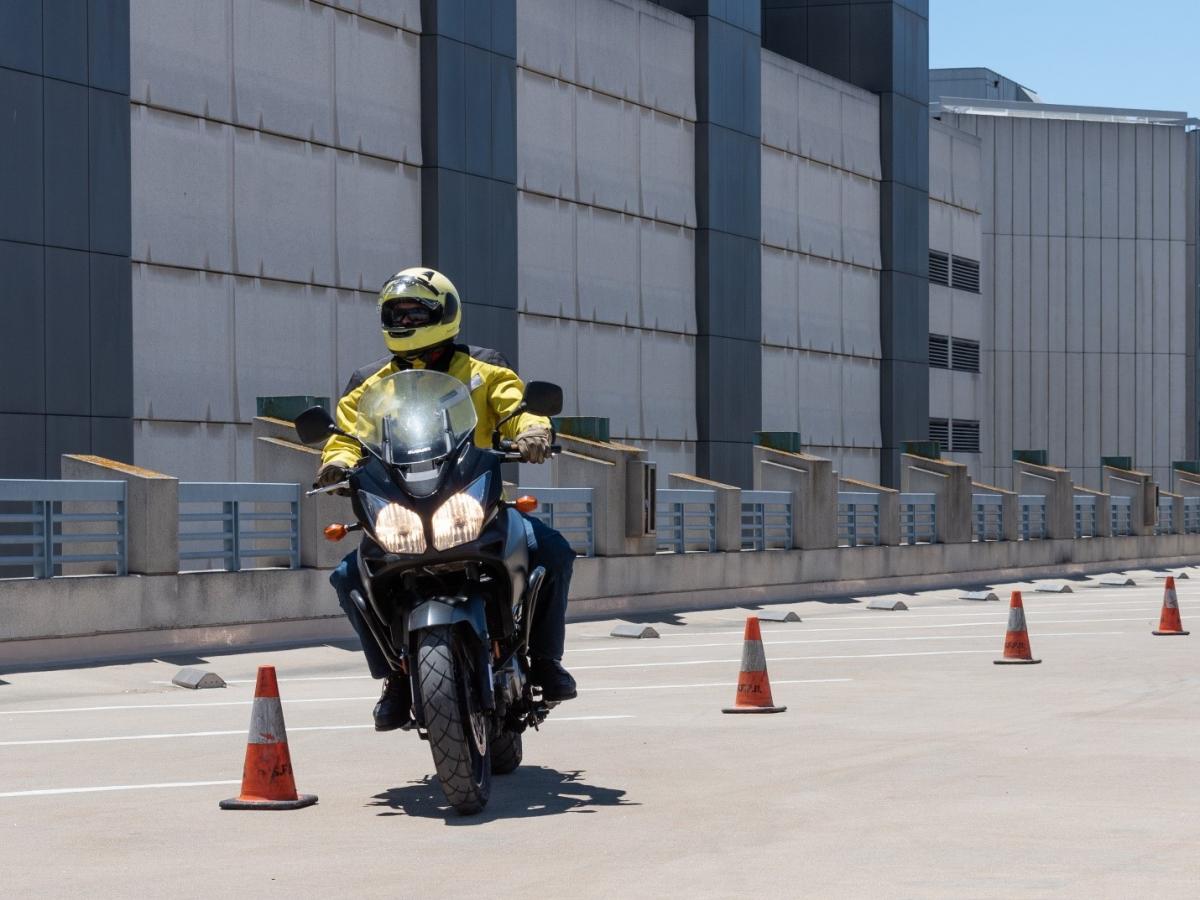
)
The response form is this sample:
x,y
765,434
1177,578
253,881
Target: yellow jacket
x,y
495,391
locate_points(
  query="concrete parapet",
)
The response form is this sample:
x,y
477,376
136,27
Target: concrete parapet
x,y
1186,484
1176,526
1010,509
151,510
278,457
1142,491
729,508
1056,486
1103,510
889,508
950,482
623,482
813,485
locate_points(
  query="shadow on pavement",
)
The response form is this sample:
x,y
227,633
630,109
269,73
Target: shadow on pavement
x,y
528,792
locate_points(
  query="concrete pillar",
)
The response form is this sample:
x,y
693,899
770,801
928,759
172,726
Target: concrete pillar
x,y
1186,484
151,509
1056,486
1176,511
1010,510
279,457
729,508
1139,487
889,508
1103,510
623,485
950,482
813,485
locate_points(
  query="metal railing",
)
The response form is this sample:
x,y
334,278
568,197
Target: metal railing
x,y
1191,515
918,518
1122,515
221,528
687,520
569,510
1085,515
766,520
1166,515
33,517
1033,517
989,516
858,519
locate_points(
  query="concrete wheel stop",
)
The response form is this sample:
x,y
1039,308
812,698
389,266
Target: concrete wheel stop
x,y
978,595
1053,587
629,630
777,615
197,679
890,605
1178,576
1116,580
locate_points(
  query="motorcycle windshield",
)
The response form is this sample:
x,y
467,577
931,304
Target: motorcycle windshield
x,y
415,416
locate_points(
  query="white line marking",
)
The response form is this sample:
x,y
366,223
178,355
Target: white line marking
x,y
772,642
242,731
298,678
201,705
712,684
50,792
775,659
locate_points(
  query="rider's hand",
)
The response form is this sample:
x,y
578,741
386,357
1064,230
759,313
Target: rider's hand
x,y
534,444
329,474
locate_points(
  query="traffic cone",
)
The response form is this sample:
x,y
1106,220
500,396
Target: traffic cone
x,y
1016,639
754,688
267,780
1169,622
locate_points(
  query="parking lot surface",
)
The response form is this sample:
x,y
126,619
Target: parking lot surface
x,y
907,765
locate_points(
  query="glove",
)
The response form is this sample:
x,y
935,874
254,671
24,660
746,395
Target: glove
x,y
330,473
534,444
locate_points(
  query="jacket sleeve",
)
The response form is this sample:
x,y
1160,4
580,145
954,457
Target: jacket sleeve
x,y
505,390
341,450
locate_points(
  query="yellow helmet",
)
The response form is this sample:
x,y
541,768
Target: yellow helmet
x,y
418,308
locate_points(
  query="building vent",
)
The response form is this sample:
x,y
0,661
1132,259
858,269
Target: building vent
x,y
939,267
939,430
939,351
965,438
964,356
966,274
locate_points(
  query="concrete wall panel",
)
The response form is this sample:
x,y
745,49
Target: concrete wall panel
x,y
608,267
860,312
281,232
780,106
780,297
358,339
860,137
546,37
667,277
198,451
820,379
180,56
668,389
545,135
606,140
377,89
378,222
820,296
667,168
941,179
780,383
860,402
607,57
181,197
780,198
820,209
559,360
941,228
666,62
609,356
860,221
546,240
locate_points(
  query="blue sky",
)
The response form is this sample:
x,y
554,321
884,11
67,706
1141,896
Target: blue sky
x,y
1087,52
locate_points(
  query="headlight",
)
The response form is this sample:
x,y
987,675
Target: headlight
x,y
397,528
460,519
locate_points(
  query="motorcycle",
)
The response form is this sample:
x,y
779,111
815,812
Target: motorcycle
x,y
445,560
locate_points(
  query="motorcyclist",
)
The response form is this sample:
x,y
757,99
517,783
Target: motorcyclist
x,y
421,313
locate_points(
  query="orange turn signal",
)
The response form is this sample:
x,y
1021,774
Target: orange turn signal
x,y
526,504
335,532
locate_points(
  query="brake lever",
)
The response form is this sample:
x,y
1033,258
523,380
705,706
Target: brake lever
x,y
328,489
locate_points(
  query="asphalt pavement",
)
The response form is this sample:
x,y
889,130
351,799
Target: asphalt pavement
x,y
907,765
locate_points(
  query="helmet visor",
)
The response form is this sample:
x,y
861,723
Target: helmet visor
x,y
410,312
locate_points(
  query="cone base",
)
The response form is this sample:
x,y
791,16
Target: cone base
x,y
1170,633
301,801
754,709
1016,662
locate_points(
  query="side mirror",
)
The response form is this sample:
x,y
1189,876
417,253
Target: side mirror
x,y
543,398
315,425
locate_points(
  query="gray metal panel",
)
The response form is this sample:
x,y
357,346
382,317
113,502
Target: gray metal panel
x,y
1126,296
1039,303
1056,165
22,339
111,336
1002,293
65,40
21,156
1145,181
728,266
1075,295
1074,172
904,129
1021,292
728,76
1144,295
1092,400
1109,180
1091,179
21,35
1021,181
728,173
1039,177
1003,163
1162,183
68,333
1056,378
66,434
23,455
1074,453
108,45
1108,296
1091,294
66,164
1056,295
1127,405
1127,165
108,168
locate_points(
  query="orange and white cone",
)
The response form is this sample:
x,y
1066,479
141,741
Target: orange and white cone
x,y
1169,622
1016,640
267,780
754,687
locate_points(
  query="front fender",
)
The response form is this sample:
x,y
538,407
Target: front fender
x,y
442,611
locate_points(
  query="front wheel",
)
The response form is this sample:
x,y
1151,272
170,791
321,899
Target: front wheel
x,y
458,727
